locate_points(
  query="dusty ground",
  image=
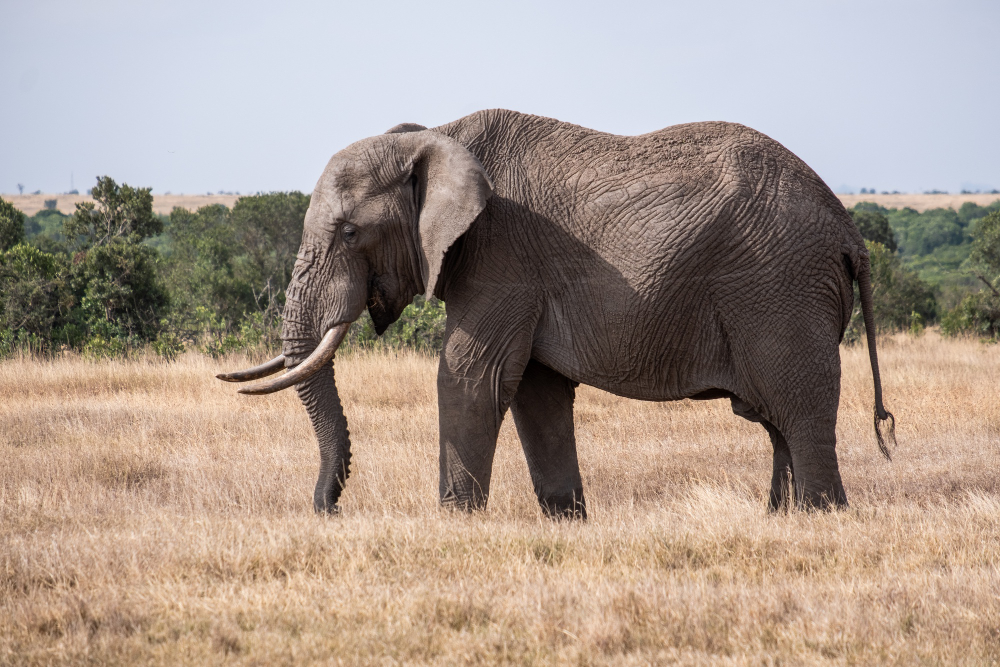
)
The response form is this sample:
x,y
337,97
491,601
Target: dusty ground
x,y
149,514
163,204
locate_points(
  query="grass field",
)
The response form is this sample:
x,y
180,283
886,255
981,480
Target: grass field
x,y
148,514
921,202
163,204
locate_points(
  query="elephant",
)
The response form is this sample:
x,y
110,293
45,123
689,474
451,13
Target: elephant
x,y
700,261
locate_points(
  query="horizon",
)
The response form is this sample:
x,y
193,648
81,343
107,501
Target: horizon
x,y
185,98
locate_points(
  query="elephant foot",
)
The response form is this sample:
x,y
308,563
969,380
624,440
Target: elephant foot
x,y
463,503
823,500
329,510
784,489
780,498
565,506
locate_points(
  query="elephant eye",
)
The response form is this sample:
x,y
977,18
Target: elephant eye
x,y
350,233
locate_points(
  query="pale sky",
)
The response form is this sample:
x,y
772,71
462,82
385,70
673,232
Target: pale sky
x,y
192,97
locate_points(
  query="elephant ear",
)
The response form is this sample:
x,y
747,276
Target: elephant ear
x,y
452,189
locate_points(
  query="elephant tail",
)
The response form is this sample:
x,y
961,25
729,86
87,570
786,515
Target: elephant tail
x,y
887,439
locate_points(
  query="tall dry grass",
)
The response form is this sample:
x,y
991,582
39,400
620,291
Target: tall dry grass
x,y
149,514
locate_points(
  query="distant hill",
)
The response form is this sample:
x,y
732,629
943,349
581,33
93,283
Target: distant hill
x,y
163,204
921,203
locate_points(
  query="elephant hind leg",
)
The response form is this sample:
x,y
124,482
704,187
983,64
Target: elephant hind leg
x,y
804,416
782,471
543,414
812,444
792,377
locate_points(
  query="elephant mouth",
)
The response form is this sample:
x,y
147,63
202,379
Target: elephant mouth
x,y
383,308
301,372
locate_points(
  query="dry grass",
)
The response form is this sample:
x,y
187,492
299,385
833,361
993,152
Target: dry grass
x,y
149,514
163,204
920,202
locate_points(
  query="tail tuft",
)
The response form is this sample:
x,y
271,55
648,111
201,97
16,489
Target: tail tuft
x,y
889,439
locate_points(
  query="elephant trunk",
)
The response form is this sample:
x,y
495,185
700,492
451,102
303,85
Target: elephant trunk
x,y
313,379
319,395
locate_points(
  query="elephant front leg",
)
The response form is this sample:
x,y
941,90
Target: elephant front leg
x,y
543,414
474,392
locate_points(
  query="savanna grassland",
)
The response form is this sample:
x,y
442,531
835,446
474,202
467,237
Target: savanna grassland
x,y
149,514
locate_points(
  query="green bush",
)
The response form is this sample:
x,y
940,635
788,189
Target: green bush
x,y
21,342
420,326
874,226
985,255
94,289
34,295
979,313
120,212
901,300
11,225
120,299
227,271
251,334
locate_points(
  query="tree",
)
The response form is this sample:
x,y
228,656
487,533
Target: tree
x,y
119,300
33,294
208,272
119,212
979,313
900,299
228,269
269,230
985,255
874,226
11,225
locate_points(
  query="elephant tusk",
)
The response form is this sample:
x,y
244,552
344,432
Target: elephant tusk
x,y
320,357
255,373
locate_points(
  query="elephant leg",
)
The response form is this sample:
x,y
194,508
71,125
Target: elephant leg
x,y
812,443
791,376
543,414
477,378
781,472
804,411
782,458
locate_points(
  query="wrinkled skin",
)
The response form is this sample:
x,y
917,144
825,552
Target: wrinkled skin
x,y
700,261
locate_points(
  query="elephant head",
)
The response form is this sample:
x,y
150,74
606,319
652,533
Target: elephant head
x,y
382,216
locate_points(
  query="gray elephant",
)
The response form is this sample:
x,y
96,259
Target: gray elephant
x,y
701,261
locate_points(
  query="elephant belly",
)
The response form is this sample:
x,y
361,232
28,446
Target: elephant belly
x,y
657,349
